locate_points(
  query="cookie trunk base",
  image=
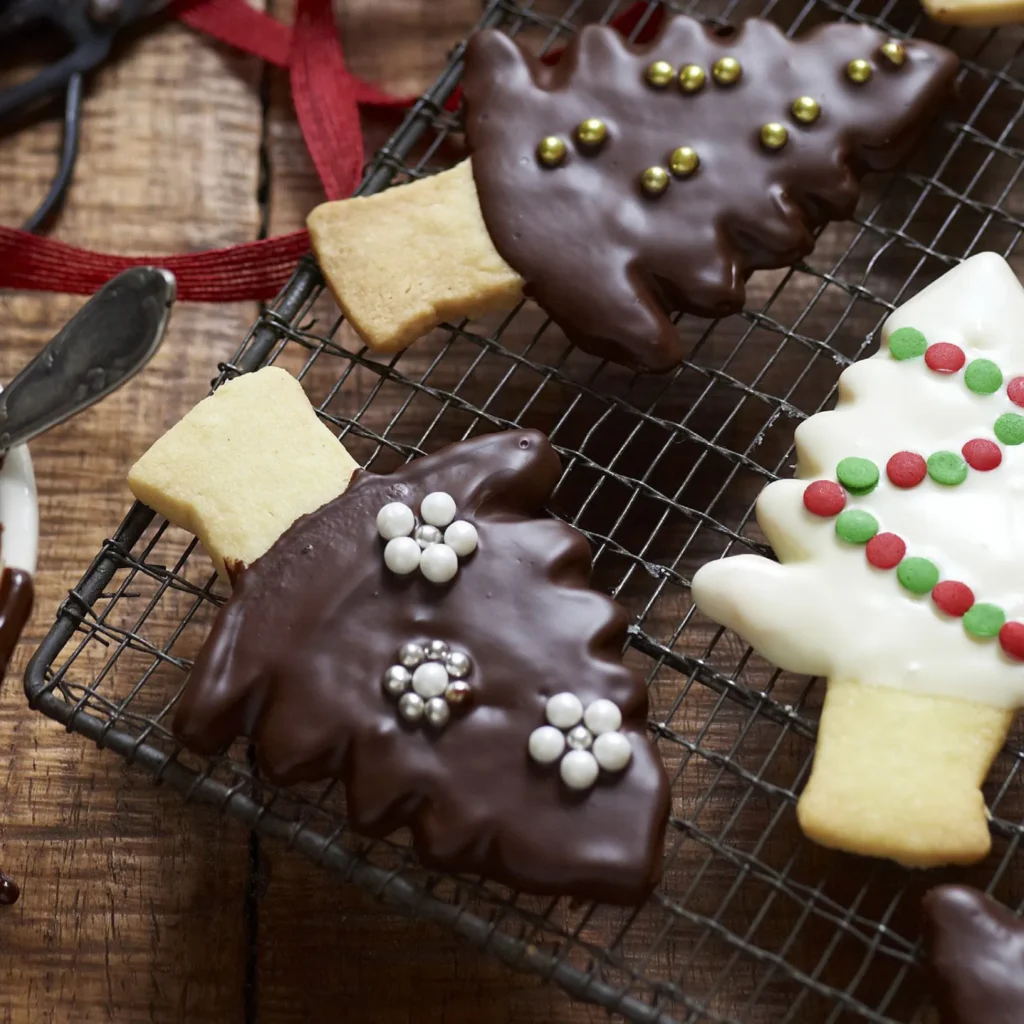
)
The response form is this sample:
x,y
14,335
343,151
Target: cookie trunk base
x,y
403,261
898,775
978,13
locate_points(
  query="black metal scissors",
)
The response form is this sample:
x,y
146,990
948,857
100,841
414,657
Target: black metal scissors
x,y
90,27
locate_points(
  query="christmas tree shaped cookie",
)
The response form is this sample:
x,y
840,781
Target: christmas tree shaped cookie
x,y
428,637
900,542
630,180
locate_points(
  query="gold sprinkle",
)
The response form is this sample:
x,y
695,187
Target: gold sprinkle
x,y
591,132
683,161
806,109
773,135
727,70
654,180
660,73
859,71
691,78
894,52
551,151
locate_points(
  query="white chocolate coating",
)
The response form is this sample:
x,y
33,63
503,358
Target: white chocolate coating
x,y
826,611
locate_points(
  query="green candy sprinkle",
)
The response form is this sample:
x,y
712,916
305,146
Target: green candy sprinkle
x,y
917,575
984,620
907,343
858,476
983,377
856,526
1009,428
949,468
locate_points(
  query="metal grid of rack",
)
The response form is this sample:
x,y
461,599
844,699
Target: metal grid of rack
x,y
751,922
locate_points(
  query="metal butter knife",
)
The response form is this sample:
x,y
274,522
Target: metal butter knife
x,y
104,345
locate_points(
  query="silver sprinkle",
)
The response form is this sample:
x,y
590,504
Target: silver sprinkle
x,y
410,707
437,650
426,535
437,712
458,664
579,738
412,654
457,693
397,680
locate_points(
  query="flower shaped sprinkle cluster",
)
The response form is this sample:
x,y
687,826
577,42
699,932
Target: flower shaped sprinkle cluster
x,y
433,543
582,741
428,682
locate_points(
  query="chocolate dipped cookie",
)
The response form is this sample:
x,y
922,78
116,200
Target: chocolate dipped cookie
x,y
429,638
976,957
628,181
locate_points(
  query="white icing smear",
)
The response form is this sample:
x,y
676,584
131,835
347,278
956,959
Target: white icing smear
x,y
827,611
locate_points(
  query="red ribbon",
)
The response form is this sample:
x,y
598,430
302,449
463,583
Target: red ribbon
x,y
327,99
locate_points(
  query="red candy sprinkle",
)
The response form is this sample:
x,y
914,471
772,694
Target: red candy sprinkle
x,y
953,598
885,550
1015,390
1011,639
944,357
981,454
906,469
824,498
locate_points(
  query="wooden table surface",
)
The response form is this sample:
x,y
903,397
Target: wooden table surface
x,y
133,905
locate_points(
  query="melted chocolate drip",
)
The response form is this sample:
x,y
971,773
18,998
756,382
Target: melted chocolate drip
x,y
296,658
15,608
608,262
9,891
976,955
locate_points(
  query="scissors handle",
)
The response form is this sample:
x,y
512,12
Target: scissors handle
x,y
55,77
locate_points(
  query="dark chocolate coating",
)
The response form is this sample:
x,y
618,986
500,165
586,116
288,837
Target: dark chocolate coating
x,y
15,608
9,891
296,658
976,956
606,261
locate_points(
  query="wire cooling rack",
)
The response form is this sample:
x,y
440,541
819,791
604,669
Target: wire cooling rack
x,y
751,923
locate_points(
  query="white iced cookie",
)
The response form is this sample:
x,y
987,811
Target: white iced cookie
x,y
243,465
899,542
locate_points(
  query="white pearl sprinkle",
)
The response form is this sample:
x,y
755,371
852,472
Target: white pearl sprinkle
x,y
612,751
438,508
402,555
563,710
602,716
461,537
438,563
578,769
395,520
546,744
430,679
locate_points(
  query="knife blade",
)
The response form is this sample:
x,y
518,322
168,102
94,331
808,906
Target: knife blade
x,y
104,345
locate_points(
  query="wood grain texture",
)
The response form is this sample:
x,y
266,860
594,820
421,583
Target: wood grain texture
x,y
115,871
133,903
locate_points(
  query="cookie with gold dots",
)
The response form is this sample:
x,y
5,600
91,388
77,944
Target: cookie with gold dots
x,y
667,169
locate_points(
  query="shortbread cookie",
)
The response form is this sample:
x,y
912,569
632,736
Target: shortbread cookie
x,y
981,13
898,540
976,957
631,180
428,637
242,466
403,261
